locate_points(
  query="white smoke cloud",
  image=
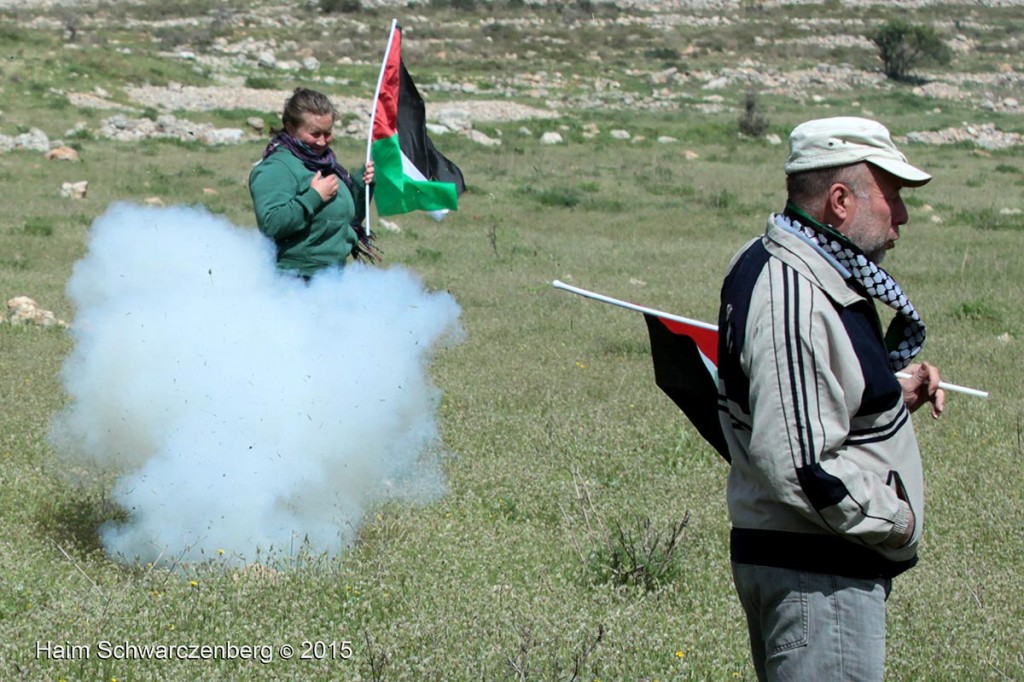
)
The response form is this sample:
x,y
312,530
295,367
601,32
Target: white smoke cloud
x,y
242,409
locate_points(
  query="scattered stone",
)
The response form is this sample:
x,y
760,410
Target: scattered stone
x,y
551,137
482,138
691,155
153,201
62,154
984,136
34,140
25,311
256,123
455,119
217,136
619,134
124,129
667,139
387,226
74,190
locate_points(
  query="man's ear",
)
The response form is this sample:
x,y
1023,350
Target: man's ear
x,y
840,198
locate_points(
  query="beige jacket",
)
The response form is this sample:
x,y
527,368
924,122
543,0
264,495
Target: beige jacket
x,y
825,463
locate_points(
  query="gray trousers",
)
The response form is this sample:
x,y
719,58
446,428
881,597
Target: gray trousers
x,y
811,627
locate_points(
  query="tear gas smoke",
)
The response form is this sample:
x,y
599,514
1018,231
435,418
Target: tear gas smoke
x,y
241,408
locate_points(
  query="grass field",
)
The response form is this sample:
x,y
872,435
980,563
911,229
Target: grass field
x,y
561,450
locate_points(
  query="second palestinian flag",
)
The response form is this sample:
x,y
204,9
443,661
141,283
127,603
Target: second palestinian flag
x,y
410,174
685,368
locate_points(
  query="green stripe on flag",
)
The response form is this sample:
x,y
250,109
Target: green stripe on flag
x,y
395,192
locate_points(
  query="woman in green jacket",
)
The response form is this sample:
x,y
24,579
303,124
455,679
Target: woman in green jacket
x,y
304,199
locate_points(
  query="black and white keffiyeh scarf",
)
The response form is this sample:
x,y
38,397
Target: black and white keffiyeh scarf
x,y
905,336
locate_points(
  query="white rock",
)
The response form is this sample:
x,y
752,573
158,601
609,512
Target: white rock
x,y
481,138
551,137
74,190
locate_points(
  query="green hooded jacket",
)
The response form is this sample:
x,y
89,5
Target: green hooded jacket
x,y
310,234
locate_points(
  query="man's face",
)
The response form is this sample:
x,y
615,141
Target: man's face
x,y
877,214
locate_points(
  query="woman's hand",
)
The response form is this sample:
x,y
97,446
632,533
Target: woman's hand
x,y
325,185
368,173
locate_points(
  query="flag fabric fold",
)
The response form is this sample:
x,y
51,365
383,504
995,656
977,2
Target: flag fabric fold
x,y
410,173
685,360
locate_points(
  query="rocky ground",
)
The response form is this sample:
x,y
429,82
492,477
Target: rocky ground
x,y
465,106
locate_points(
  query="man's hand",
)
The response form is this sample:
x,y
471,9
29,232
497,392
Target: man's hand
x,y
922,386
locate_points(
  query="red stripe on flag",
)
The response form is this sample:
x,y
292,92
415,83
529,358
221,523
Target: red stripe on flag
x,y
385,120
706,339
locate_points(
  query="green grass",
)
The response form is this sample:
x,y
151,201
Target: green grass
x,y
549,406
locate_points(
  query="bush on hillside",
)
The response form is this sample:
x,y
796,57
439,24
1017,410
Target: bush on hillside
x,y
341,6
752,122
903,46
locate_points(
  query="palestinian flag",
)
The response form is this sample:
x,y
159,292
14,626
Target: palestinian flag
x,y
410,174
686,368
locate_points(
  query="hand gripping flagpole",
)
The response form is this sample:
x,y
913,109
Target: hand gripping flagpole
x,y
706,325
373,114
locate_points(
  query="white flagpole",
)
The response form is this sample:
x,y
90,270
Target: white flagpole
x,y
632,306
373,113
705,325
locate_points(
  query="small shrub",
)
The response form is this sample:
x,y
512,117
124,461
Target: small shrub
x,y
752,122
458,5
80,134
977,311
341,6
990,219
17,262
38,227
425,255
663,54
261,83
641,556
903,46
559,197
722,200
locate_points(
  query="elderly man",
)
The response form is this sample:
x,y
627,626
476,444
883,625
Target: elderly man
x,y
825,491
